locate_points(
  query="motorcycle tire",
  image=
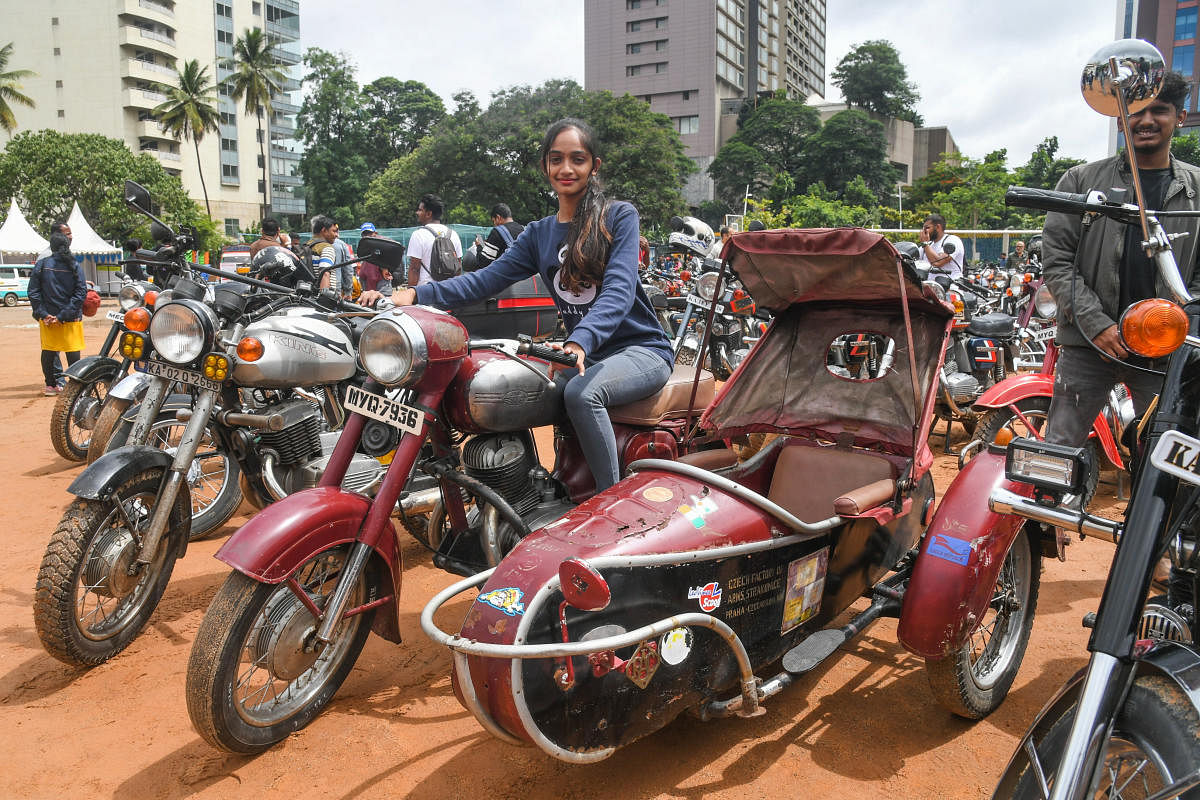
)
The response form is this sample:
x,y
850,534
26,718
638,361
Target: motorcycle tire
x,y
86,608
250,682
216,493
78,399
1037,411
110,417
973,681
1155,741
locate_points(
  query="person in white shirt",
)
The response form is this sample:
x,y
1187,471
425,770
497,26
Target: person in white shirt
x,y
429,216
941,252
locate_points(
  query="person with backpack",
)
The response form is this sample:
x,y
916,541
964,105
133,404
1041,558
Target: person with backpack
x,y
57,289
434,250
504,231
588,253
320,253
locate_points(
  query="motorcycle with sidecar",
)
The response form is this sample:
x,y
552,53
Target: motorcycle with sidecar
x,y
671,590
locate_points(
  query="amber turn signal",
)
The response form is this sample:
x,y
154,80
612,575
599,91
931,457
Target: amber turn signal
x,y
249,349
1153,328
137,319
150,297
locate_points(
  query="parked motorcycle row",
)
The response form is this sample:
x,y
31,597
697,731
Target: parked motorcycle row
x,y
708,580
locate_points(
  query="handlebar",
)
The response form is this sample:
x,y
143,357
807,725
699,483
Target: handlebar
x,y
1050,200
528,347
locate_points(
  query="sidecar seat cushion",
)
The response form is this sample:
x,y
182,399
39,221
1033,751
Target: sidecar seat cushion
x,y
670,400
710,460
864,498
808,480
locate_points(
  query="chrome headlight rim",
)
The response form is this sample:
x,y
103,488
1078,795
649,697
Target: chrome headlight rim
x,y
199,342
1044,303
378,355
706,286
131,296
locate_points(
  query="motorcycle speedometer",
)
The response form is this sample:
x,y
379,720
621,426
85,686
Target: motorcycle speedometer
x,y
391,353
182,331
706,287
130,297
1044,303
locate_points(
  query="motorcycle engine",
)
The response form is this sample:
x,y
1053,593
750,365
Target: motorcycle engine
x,y
964,387
301,451
503,462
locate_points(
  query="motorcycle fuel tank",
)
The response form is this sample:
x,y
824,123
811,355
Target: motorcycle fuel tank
x,y
495,393
300,348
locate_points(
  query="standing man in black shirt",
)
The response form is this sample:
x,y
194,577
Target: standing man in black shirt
x,y
504,231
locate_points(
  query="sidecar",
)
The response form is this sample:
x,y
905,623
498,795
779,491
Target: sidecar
x,y
667,592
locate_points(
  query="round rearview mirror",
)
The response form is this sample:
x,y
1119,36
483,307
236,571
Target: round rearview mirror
x,y
1140,71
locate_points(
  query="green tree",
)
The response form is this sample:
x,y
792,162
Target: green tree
x,y
769,143
47,170
10,89
1043,169
816,209
399,114
190,111
872,77
255,80
1186,148
851,145
332,125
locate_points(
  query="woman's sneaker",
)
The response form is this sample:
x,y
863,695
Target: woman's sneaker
x,y
50,391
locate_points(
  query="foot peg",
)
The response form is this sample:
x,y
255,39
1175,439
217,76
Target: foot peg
x,y
813,650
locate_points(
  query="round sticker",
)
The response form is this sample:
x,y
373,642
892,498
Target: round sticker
x,y
658,494
675,645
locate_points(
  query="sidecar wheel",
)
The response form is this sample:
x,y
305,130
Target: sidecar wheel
x,y
974,681
110,417
86,607
74,417
1155,741
253,677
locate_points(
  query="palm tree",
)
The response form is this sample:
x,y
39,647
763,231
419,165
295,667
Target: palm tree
x,y
255,80
10,89
190,111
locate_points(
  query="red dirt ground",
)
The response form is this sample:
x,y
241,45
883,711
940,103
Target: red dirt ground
x,y
864,725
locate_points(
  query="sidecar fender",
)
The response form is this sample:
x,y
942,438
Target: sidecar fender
x,y
959,561
276,541
1177,662
105,474
92,368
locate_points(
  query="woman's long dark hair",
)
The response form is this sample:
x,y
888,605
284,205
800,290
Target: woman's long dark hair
x,y
60,247
588,237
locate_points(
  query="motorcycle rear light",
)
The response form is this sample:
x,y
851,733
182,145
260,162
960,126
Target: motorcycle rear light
x,y
250,349
1051,467
1153,328
137,319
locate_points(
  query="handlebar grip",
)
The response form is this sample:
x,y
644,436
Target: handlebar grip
x,y
1046,200
548,353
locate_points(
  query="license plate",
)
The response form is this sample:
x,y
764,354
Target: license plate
x,y
401,417
696,300
115,316
181,375
1178,455
1046,334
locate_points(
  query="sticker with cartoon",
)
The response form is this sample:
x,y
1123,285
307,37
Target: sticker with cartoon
x,y
507,600
695,511
805,585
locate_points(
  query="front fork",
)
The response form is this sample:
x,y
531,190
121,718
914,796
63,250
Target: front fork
x,y
169,488
152,403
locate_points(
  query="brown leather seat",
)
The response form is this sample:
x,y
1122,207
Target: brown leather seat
x,y
809,481
711,460
671,400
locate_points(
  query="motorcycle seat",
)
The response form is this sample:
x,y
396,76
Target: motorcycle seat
x,y
671,400
815,483
994,324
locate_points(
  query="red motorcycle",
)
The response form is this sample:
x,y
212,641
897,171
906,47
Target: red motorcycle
x,y
667,592
314,573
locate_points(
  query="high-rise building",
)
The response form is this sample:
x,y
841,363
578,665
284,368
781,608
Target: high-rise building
x,y
101,67
698,61
1171,27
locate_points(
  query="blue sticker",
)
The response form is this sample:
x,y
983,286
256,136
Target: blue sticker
x,y
506,600
948,548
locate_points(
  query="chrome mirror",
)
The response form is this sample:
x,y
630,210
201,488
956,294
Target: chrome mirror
x,y
1140,71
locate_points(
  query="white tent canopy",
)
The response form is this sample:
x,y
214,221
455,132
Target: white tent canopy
x,y
18,236
84,240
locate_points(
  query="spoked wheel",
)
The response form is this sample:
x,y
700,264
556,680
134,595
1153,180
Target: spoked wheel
x,y
1155,742
75,415
87,607
254,675
107,421
974,681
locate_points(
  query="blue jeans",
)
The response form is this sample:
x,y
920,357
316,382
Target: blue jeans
x,y
634,373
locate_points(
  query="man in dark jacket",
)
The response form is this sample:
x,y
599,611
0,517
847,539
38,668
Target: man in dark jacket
x,y
57,288
504,231
1095,277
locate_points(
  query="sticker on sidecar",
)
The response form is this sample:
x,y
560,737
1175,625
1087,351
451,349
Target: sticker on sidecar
x,y
957,551
709,596
1178,455
805,585
180,375
506,600
696,511
404,418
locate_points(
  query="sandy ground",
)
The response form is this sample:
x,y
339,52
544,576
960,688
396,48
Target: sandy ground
x,y
864,725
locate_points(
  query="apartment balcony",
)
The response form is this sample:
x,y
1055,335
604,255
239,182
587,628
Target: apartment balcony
x,y
289,84
149,129
146,40
281,106
145,71
283,128
142,98
280,152
155,10
165,157
285,57
288,205
287,180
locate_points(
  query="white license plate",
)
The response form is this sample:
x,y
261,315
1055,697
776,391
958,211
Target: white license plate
x,y
696,300
115,316
401,417
181,375
1046,334
1178,455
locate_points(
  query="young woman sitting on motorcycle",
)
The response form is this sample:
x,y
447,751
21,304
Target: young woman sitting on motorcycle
x,y
588,253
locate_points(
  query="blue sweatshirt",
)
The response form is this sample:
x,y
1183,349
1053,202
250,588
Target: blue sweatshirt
x,y
602,322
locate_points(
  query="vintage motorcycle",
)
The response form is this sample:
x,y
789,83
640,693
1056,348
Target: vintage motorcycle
x,y
668,591
1128,724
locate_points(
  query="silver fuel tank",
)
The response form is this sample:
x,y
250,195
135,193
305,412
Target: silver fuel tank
x,y
300,348
494,393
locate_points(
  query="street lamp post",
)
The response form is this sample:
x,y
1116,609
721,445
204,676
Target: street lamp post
x,y
745,200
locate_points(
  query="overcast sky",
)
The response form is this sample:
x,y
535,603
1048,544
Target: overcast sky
x,y
997,74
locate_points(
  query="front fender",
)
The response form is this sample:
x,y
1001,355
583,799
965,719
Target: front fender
x,y
105,474
959,561
131,387
276,541
1015,388
90,369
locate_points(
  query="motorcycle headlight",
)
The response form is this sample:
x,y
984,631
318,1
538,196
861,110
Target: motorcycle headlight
x,y
392,350
182,331
706,287
1044,303
130,297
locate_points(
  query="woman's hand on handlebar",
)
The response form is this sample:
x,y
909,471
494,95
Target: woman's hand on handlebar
x,y
400,297
569,347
